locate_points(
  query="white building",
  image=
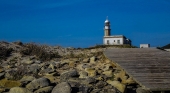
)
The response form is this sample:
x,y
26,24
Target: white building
x,y
114,39
144,45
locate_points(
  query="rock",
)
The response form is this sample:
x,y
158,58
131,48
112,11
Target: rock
x,y
62,87
90,80
38,83
107,67
53,79
27,78
83,74
34,68
86,60
52,66
66,75
46,71
91,72
93,60
101,84
85,89
86,66
9,75
9,83
74,86
19,90
108,73
44,90
117,84
111,91
141,90
1,70
2,75
72,64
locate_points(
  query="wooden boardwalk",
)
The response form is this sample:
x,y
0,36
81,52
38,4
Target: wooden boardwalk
x,y
149,67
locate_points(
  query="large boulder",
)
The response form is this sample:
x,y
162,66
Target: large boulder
x,y
19,90
66,75
62,87
38,83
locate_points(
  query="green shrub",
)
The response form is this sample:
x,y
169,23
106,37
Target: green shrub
x,y
39,51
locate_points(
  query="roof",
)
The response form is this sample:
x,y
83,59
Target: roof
x,y
115,36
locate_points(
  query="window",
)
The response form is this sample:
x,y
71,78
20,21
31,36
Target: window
x,y
108,42
118,41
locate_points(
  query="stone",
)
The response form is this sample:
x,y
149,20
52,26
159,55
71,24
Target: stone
x,y
34,68
9,83
101,84
93,60
117,84
72,64
83,74
91,72
85,89
53,79
27,78
141,90
86,60
74,86
86,66
38,83
62,87
107,67
19,90
46,71
2,75
108,73
90,80
66,75
44,90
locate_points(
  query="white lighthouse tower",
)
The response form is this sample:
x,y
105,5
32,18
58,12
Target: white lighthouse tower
x,y
107,28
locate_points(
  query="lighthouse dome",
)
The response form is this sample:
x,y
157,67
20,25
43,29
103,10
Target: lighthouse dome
x,y
107,21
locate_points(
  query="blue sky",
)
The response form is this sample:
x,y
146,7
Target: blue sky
x,y
79,23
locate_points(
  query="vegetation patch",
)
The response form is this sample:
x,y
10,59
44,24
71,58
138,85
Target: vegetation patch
x,y
39,51
5,52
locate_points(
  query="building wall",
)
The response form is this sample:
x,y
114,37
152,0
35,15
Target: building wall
x,y
113,41
144,45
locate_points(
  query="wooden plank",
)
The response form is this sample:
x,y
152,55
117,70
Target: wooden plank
x,y
149,67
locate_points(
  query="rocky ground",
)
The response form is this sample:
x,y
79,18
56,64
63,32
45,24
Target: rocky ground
x,y
25,69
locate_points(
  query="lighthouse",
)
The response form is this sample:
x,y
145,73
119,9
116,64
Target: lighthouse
x,y
107,28
109,39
